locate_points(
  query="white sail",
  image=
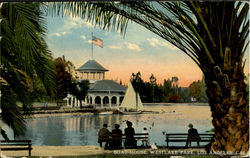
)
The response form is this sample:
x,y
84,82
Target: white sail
x,y
129,101
139,104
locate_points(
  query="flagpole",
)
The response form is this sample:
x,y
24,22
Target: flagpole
x,y
92,46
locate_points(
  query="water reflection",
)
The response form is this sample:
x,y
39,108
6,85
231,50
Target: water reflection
x,y
82,130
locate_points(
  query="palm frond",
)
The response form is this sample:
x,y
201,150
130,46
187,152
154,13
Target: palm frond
x,y
24,56
10,113
24,28
3,133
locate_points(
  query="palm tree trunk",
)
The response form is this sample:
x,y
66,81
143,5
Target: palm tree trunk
x,y
230,110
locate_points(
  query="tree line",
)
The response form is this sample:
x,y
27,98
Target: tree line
x,y
152,91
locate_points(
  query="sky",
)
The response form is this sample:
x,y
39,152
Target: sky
x,y
140,50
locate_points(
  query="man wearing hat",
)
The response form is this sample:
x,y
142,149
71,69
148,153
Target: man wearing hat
x,y
192,135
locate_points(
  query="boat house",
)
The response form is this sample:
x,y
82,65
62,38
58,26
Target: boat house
x,y
102,93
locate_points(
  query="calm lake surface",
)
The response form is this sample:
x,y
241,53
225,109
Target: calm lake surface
x,y
82,130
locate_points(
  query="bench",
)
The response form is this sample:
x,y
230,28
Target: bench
x,y
7,145
137,136
182,137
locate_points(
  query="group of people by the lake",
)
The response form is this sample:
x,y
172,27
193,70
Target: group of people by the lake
x,y
116,134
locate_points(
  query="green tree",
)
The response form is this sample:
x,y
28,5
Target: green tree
x,y
147,96
63,78
24,58
39,93
185,95
153,86
79,90
195,90
137,82
213,34
158,93
167,89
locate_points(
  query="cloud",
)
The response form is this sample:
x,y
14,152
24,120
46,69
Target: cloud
x,y
59,34
132,46
170,46
114,47
126,45
76,22
83,37
155,42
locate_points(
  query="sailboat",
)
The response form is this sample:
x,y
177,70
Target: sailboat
x,y
131,104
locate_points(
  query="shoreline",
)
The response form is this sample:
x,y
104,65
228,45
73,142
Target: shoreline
x,y
172,104
149,107
58,114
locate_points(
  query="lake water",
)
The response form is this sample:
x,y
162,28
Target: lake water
x,y
82,130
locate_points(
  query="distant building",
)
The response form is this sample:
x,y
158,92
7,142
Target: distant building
x,y
102,93
174,81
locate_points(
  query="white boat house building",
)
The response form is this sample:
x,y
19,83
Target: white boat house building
x,y
102,93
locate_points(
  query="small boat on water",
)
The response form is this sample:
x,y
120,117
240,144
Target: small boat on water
x,y
105,113
131,104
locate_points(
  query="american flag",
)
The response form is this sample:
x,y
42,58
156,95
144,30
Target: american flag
x,y
97,41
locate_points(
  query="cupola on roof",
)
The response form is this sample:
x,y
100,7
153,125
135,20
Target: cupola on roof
x,y
92,65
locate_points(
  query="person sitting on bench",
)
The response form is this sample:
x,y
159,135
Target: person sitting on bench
x,y
103,134
129,133
192,135
117,137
